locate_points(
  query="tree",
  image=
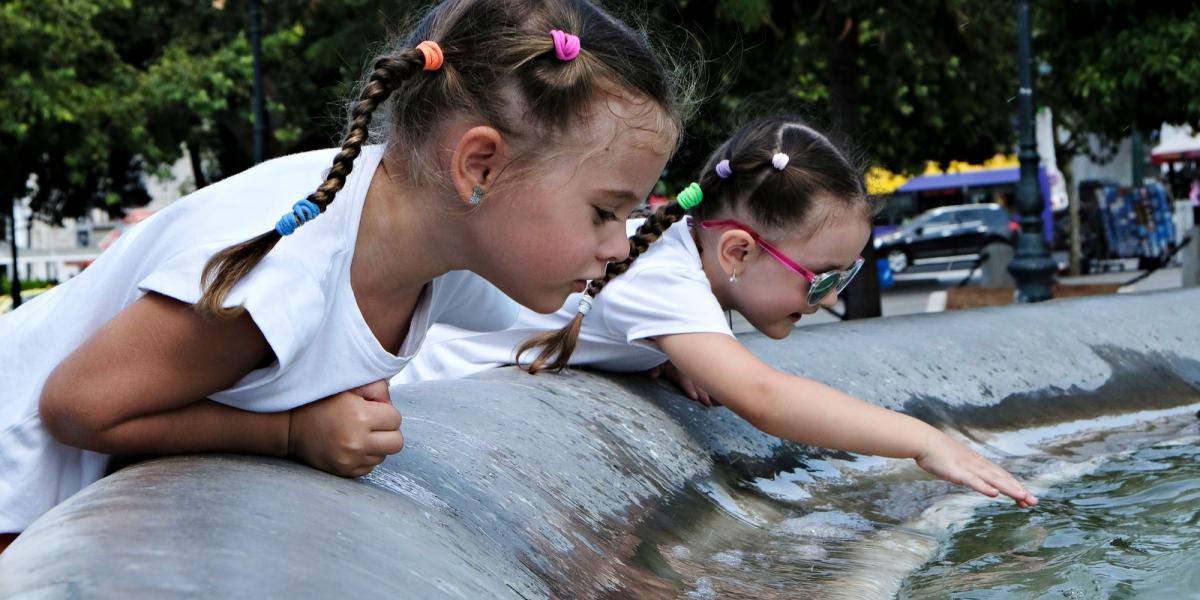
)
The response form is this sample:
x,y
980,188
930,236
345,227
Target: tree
x,y
907,83
131,82
59,107
1115,67
58,81
1120,64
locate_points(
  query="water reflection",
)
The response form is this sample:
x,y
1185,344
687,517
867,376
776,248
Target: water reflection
x,y
1120,517
1129,529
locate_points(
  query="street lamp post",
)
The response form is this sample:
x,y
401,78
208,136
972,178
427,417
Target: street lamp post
x,y
260,113
1032,266
14,281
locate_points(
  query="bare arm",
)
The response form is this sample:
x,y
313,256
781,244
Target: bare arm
x,y
139,385
806,411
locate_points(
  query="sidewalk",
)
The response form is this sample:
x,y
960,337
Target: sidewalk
x,y
922,292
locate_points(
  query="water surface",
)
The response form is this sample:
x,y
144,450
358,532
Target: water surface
x,y
1119,518
1129,529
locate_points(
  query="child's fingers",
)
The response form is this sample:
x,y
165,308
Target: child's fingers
x,y
689,389
382,416
361,471
977,483
384,443
376,391
704,398
1008,485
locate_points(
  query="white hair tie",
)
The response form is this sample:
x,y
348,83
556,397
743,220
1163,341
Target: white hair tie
x,y
780,161
585,304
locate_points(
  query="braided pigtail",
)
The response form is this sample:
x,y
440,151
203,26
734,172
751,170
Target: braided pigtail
x,y
232,264
558,346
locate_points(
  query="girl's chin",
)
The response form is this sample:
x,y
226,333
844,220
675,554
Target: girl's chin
x,y
777,331
544,303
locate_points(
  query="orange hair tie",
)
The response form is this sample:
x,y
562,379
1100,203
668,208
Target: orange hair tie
x,y
433,55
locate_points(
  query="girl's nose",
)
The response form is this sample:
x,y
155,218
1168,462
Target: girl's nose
x,y
616,246
830,300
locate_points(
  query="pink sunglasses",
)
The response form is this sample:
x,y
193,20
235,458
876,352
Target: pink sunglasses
x,y
819,284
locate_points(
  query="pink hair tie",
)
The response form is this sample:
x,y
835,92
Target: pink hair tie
x,y
566,46
723,170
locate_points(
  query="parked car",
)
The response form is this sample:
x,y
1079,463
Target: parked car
x,y
947,231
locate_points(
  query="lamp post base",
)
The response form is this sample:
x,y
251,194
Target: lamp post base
x,y
1035,277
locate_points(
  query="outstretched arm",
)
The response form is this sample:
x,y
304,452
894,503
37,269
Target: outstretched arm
x,y
140,386
809,412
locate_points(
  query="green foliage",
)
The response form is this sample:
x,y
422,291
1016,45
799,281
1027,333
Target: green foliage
x,y
1118,64
904,82
59,80
26,284
129,83
95,93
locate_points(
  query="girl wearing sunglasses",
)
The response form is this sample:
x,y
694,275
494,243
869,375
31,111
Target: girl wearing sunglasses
x,y
773,230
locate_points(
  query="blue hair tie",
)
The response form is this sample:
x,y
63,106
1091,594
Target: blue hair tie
x,y
302,212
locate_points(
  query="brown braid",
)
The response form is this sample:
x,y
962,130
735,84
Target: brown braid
x,y
558,346
232,264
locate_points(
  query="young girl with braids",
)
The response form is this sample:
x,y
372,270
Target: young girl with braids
x,y
519,134
772,230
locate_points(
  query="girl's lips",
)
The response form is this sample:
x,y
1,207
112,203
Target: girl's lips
x,y
580,285
795,317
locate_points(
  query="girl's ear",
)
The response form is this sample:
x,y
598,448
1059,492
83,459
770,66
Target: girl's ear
x,y
734,248
478,159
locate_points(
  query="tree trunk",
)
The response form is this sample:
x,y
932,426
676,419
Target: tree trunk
x,y
862,298
1075,242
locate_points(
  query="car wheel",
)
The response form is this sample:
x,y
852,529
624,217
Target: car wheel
x,y
897,261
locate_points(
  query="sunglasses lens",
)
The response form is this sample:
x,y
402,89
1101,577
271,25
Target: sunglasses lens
x,y
821,286
827,282
848,275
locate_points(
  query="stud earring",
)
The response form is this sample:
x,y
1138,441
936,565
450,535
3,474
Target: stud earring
x,y
733,276
476,196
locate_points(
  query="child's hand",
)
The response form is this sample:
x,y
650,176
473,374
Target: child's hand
x,y
687,386
956,463
346,434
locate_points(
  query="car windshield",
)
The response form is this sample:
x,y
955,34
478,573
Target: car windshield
x,y
932,219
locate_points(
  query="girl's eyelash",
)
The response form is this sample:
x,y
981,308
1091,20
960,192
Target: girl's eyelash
x,y
605,215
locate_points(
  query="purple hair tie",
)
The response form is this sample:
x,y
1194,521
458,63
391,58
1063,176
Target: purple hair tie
x,y
723,170
566,46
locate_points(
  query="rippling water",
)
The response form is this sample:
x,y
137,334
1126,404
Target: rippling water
x,y
1130,529
1119,518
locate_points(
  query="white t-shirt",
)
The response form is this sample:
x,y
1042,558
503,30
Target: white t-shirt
x,y
665,292
299,296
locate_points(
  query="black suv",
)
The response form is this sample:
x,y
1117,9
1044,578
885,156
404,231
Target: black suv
x,y
947,231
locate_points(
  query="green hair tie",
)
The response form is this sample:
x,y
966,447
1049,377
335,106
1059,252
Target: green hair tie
x,y
690,196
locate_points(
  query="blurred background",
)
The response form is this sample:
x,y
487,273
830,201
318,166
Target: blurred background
x,y
112,109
